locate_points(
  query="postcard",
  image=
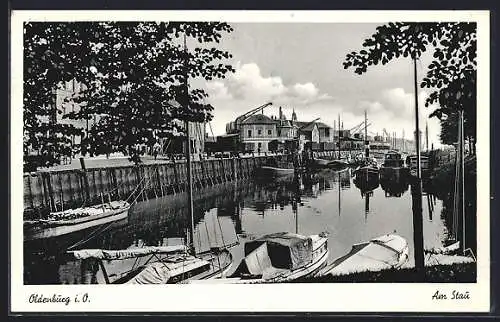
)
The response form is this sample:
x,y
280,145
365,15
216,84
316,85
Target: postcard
x,y
249,161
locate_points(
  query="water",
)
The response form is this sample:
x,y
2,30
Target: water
x,y
229,214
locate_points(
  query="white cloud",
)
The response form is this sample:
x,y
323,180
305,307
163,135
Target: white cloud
x,y
248,83
307,90
218,90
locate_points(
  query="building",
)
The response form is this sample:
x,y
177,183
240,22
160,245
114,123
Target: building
x,y
177,144
258,130
172,145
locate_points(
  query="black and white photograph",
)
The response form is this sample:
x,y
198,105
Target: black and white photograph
x,y
274,161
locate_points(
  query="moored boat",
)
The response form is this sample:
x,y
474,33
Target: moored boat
x,y
424,165
369,170
156,264
338,164
321,163
385,252
280,257
72,220
277,168
393,166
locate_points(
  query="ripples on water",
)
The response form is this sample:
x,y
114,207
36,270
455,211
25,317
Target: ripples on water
x,y
231,213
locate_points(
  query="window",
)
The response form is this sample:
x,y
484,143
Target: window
x,y
327,132
269,132
259,145
249,133
279,132
259,132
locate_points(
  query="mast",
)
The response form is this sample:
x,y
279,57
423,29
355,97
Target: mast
x,y
417,187
188,152
367,144
462,170
417,130
338,137
403,139
334,130
426,136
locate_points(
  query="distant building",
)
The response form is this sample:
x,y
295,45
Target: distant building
x,y
258,130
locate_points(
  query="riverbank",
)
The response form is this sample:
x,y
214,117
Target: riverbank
x,y
460,272
442,186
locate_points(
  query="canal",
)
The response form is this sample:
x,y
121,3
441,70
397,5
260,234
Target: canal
x,y
230,213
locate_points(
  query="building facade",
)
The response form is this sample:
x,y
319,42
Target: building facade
x,y
258,130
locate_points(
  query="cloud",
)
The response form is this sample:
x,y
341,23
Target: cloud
x,y
307,90
218,90
391,109
248,83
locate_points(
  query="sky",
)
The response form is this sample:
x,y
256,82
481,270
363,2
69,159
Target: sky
x,y
299,66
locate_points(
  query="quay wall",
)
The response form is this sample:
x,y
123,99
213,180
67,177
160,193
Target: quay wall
x,y
46,191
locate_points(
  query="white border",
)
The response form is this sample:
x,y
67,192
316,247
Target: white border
x,y
271,298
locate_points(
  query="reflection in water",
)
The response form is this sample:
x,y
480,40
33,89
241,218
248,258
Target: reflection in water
x,y
395,186
229,214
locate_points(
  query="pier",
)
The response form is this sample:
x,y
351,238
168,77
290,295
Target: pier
x,y
46,191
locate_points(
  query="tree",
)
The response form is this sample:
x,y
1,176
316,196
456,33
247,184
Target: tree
x,y
452,73
135,76
50,55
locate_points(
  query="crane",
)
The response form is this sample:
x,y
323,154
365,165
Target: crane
x,y
355,129
363,128
234,126
244,117
386,134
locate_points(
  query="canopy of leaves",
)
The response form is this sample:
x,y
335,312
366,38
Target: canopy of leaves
x,y
452,73
135,77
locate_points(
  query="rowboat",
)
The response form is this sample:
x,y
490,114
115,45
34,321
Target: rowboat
x,y
385,252
156,264
72,220
278,258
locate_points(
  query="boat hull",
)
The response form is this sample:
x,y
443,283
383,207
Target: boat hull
x,y
385,252
366,173
275,171
60,228
313,269
392,173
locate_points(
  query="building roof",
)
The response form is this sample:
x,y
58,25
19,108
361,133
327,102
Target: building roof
x,y
259,119
308,128
322,125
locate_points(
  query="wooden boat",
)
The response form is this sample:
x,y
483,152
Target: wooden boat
x,y
72,220
368,171
385,252
424,162
338,164
393,166
452,248
321,163
280,257
277,168
156,264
